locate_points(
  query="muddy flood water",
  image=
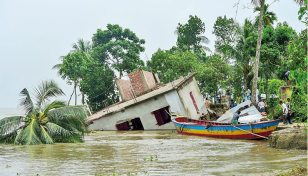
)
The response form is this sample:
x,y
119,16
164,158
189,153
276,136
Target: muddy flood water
x,y
148,153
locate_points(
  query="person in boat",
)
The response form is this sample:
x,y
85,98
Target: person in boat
x,y
236,116
261,106
232,104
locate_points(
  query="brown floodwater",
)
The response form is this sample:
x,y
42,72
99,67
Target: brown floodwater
x,y
148,153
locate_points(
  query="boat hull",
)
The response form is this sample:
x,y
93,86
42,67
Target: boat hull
x,y
223,130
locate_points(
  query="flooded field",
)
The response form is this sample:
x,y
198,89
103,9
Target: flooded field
x,y
148,153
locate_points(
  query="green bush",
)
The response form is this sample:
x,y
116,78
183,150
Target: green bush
x,y
299,104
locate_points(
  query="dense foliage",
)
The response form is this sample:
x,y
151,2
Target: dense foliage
x,y
250,53
45,122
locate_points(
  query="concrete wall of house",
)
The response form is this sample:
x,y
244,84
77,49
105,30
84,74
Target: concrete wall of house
x,y
125,89
175,103
184,94
142,110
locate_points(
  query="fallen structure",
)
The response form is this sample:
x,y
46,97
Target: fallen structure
x,y
147,103
253,117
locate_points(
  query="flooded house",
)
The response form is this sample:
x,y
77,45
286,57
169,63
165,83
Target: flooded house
x,y
147,103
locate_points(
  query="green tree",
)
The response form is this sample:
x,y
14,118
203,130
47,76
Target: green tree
x,y
174,63
82,46
215,73
260,3
283,35
235,81
70,70
98,84
269,17
118,47
190,35
244,50
44,122
225,31
303,11
297,64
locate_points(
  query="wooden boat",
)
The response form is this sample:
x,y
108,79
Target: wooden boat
x,y
187,126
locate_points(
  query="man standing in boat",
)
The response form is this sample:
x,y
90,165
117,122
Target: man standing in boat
x,y
236,116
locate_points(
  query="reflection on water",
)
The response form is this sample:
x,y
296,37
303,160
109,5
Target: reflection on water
x,y
130,152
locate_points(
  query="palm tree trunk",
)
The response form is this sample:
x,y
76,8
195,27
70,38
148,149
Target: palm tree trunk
x,y
71,97
82,98
75,85
256,66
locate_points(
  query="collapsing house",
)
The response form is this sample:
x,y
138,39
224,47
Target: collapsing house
x,y
147,103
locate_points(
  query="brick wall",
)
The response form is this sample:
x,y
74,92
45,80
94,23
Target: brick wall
x,y
142,81
150,81
125,89
137,82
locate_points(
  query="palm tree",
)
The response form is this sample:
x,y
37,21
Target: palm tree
x,y
257,3
81,46
241,51
44,123
260,3
268,16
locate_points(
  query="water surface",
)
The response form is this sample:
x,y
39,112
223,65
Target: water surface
x,y
107,152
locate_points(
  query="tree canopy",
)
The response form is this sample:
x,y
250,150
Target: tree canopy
x,y
119,48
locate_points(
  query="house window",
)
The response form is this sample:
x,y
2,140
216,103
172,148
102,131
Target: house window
x,y
194,102
133,124
162,116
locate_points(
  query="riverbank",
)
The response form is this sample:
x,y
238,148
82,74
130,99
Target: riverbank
x,y
296,171
289,137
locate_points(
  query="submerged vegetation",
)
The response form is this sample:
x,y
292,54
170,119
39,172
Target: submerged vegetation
x,y
45,122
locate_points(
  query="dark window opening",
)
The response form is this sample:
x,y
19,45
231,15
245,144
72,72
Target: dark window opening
x,y
133,124
162,116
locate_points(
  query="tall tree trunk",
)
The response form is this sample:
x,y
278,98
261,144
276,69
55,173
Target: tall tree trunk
x,y
215,96
256,66
266,90
75,85
71,97
82,98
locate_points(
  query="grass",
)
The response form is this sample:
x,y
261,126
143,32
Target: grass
x,y
297,171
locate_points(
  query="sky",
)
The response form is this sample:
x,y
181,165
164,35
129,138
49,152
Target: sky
x,y
35,33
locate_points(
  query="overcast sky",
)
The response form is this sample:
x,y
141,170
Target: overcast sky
x,y
34,34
